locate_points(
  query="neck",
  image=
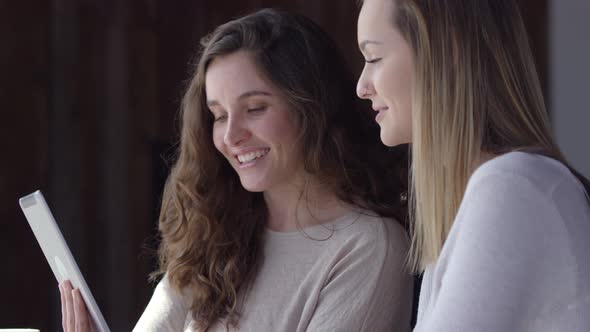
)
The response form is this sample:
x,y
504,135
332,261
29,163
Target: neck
x,y
302,204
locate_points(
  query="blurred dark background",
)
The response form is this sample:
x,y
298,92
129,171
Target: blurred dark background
x,y
89,93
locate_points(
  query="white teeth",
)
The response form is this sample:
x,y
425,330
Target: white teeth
x,y
248,157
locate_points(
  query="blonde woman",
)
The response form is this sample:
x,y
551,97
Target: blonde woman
x,y
275,216
500,220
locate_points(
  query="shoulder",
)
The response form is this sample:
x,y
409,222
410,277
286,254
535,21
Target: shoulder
x,y
177,296
512,203
513,188
515,237
371,246
369,228
535,172
371,238
365,264
166,311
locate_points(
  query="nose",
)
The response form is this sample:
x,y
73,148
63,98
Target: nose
x,y
364,89
235,133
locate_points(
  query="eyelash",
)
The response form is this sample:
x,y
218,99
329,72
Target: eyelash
x,y
373,61
251,110
255,110
219,118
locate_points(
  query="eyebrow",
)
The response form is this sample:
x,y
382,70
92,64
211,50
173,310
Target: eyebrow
x,y
244,95
364,43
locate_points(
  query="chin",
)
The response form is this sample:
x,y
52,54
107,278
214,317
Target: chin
x,y
392,136
390,140
253,187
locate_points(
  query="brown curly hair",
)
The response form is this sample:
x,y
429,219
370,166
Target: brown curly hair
x,y
211,227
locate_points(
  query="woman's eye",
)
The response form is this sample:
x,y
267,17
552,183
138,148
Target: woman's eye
x,y
220,118
256,109
373,60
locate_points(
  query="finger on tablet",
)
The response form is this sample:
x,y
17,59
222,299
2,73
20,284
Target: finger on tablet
x,y
64,313
70,314
82,318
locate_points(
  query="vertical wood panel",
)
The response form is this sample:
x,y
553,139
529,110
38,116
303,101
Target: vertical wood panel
x,y
24,92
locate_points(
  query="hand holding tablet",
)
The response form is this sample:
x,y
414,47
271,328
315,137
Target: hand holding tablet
x,y
60,260
75,317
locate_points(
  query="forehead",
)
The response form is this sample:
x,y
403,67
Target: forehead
x,y
374,18
229,76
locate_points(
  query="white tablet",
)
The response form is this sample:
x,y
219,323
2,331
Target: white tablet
x,y
58,254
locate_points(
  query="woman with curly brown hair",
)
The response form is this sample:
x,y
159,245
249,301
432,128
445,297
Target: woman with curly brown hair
x,y
283,210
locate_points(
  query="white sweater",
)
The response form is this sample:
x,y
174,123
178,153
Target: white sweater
x,y
517,257
351,279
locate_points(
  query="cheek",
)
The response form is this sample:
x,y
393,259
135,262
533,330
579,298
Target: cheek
x,y
287,134
280,128
387,82
282,132
395,86
217,135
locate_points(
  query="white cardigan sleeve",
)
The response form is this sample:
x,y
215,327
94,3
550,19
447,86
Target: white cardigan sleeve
x,y
504,262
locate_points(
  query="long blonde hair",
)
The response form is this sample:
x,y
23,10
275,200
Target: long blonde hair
x,y
476,90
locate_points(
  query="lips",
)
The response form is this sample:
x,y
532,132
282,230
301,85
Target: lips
x,y
249,156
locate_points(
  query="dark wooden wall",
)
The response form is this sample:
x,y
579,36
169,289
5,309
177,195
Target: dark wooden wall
x,y
89,92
